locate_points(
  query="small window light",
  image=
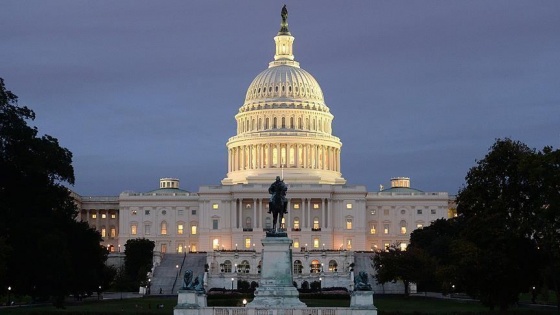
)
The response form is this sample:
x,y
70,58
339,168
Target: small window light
x,y
348,206
215,206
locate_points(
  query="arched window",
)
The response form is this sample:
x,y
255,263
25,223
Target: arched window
x,y
315,266
163,230
274,123
291,122
266,123
283,122
296,226
298,267
333,266
248,223
403,227
227,266
244,267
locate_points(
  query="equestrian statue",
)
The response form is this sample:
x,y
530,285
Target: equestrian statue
x,y
278,203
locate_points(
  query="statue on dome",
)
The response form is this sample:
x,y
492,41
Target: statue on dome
x,y
284,24
278,202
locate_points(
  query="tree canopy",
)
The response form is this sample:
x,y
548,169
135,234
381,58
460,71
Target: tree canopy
x,y
44,251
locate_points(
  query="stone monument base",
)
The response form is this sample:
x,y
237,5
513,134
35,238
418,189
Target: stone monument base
x,y
361,303
190,302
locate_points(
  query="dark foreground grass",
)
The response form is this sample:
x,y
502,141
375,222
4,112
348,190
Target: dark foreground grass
x,y
386,305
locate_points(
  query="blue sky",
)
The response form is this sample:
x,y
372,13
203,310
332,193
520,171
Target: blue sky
x,y
139,90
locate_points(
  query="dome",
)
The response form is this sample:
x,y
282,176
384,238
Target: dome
x,y
284,82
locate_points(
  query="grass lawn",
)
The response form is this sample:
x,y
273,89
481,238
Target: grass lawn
x,y
386,305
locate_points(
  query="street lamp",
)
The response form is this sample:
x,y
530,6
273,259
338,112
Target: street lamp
x,y
177,267
320,284
231,285
99,294
322,269
244,302
9,291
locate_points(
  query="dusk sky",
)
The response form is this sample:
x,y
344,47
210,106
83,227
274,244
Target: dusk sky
x,y
139,90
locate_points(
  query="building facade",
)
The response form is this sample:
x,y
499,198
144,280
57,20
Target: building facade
x,y
284,128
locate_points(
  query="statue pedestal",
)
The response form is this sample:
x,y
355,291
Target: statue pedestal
x,y
276,289
190,302
361,302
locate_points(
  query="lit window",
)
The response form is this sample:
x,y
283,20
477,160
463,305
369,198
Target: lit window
x,y
215,243
403,246
348,224
215,224
296,242
386,245
163,228
419,211
247,242
94,216
133,229
146,212
333,266
215,206
113,232
315,206
349,243
316,223
147,229
193,229
103,232
296,223
419,226
348,206
113,216
403,227
385,228
103,216
372,212
373,230
296,206
248,206
316,242
180,229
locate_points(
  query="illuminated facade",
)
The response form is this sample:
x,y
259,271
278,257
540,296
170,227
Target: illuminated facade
x,y
284,128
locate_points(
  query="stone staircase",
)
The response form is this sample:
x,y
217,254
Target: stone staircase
x,y
167,278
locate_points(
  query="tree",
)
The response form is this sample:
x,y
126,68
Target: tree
x,y
499,258
45,249
394,265
138,260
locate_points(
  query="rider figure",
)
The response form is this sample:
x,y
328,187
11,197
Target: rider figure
x,y
278,187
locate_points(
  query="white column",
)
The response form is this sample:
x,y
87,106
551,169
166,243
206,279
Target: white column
x,y
254,213
324,224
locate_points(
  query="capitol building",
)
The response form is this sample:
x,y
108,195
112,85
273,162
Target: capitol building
x,y
284,128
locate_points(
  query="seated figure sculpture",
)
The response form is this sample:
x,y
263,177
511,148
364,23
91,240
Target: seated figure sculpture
x,y
187,280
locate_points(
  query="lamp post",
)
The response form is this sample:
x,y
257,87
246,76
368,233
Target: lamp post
x,y
235,268
99,294
244,302
177,267
9,291
320,285
231,285
322,267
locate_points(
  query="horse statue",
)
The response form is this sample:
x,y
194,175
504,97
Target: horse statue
x,y
278,203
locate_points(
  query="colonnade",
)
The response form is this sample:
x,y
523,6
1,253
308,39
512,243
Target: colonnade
x,y
259,156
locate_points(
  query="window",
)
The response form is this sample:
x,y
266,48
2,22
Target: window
x,y
385,228
113,216
215,206
244,267
419,211
103,232
103,216
147,229
403,246
248,223
315,266
163,228
349,243
296,205
403,211
348,223
316,223
373,229
133,229
146,212
180,229
180,212
94,216
113,232
372,212
419,225
315,206
403,227
164,212
296,224
386,212
193,229
348,206
164,248
227,266
298,267
248,242
215,244
315,242
215,224
433,211
193,212
296,242
134,212
333,266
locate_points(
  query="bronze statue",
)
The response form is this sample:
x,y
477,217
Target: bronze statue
x,y
284,24
278,202
361,282
187,280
